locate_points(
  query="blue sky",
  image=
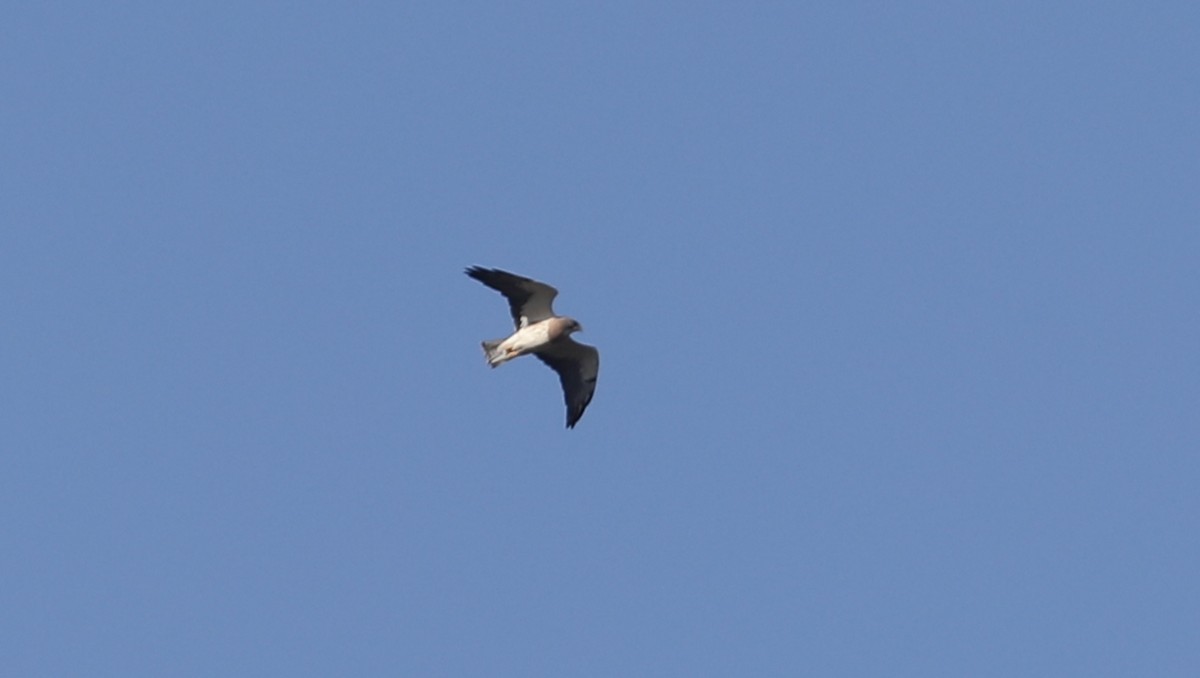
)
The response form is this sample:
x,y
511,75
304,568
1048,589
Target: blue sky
x,y
896,307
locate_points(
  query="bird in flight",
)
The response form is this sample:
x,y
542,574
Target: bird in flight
x,y
543,334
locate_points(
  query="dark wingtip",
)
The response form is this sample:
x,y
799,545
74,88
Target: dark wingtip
x,y
487,276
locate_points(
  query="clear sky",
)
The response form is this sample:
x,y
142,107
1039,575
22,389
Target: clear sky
x,y
897,306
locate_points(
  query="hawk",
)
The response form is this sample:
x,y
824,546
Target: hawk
x,y
543,334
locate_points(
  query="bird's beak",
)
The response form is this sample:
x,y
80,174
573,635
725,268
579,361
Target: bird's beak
x,y
580,329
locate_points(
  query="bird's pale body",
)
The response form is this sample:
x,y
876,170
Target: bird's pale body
x,y
528,339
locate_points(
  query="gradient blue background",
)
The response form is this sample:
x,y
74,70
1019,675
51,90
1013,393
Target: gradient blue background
x,y
897,305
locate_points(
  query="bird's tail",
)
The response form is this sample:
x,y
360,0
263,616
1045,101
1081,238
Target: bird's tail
x,y
491,349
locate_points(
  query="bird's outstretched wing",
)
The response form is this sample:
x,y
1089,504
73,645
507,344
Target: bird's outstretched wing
x,y
577,366
529,300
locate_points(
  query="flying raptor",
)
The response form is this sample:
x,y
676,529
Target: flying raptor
x,y
543,334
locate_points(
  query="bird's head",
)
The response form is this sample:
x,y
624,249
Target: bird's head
x,y
574,326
